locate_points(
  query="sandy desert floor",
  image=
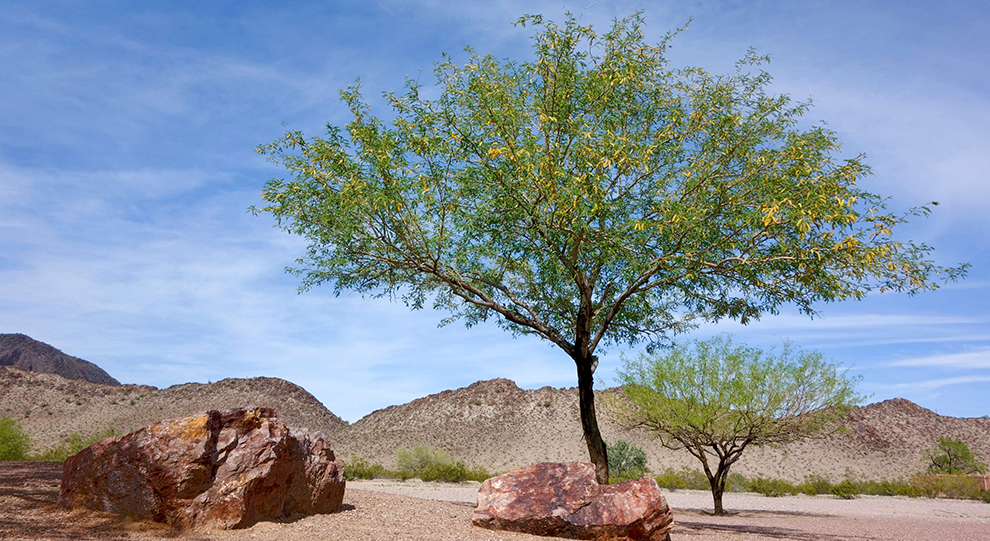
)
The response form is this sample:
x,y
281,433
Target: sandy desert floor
x,y
384,510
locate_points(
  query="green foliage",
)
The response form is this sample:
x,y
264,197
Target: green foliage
x,y
715,398
625,461
736,482
685,479
886,487
715,392
435,465
420,457
845,489
591,196
814,485
14,442
951,456
773,488
949,486
74,443
360,468
593,175
851,486
420,462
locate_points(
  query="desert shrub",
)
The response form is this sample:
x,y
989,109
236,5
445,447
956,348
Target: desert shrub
x,y
886,487
451,472
736,482
14,442
74,443
949,486
419,457
771,487
685,478
961,487
625,461
814,485
434,465
925,485
360,468
670,479
845,489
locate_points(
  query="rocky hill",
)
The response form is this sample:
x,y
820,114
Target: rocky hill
x,y
497,425
492,423
22,351
50,407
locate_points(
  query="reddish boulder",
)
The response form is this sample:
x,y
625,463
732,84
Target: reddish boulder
x,y
565,500
225,469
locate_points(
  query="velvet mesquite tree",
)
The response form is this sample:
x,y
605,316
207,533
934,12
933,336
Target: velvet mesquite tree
x,y
715,399
591,196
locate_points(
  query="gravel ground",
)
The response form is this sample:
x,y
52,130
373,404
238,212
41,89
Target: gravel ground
x,y
385,510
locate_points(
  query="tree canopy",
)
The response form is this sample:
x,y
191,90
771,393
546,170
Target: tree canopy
x,y
14,442
951,456
715,398
590,195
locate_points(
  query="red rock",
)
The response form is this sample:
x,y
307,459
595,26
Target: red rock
x,y
565,500
218,470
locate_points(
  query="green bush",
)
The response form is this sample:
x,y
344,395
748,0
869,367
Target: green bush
x,y
771,487
845,489
419,457
360,468
454,472
14,442
625,461
886,487
814,485
736,482
949,486
685,478
74,443
420,462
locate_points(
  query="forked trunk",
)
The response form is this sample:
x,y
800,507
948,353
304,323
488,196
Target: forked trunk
x,y
589,421
718,488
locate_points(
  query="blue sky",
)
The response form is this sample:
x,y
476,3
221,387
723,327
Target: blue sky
x,y
127,164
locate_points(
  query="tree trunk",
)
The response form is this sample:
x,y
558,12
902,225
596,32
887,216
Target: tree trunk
x,y
589,421
718,487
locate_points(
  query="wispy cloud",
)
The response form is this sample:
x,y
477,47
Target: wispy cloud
x,y
971,359
127,164
927,385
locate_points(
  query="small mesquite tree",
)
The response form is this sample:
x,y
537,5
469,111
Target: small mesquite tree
x,y
14,442
625,460
591,196
952,456
715,399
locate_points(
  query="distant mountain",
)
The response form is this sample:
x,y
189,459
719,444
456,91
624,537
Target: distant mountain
x,y
22,351
50,407
497,425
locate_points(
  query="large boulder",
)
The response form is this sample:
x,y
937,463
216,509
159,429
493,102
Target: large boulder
x,y
225,470
565,500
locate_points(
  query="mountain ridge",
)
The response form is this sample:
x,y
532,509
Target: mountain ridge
x,y
490,423
497,425
22,351
50,407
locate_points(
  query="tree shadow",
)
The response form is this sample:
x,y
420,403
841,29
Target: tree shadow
x,y
772,532
748,513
